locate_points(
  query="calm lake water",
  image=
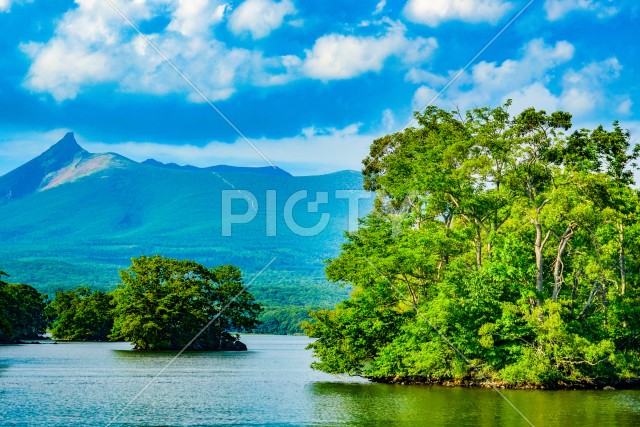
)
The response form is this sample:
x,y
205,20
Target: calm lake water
x,y
271,384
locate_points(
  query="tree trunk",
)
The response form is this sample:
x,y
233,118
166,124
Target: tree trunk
x,y
539,247
574,289
592,294
478,247
621,261
557,269
604,305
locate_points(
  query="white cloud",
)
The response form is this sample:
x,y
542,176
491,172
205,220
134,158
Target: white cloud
x,y
535,79
435,12
5,5
578,102
259,17
313,151
558,9
417,75
389,122
624,108
61,67
338,56
196,17
583,89
418,50
488,83
536,95
423,97
380,7
93,45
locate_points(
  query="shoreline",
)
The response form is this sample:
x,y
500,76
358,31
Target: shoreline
x,y
617,384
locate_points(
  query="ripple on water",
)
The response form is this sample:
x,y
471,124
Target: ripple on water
x,y
271,384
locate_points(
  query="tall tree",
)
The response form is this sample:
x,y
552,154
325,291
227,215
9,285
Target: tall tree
x,y
164,303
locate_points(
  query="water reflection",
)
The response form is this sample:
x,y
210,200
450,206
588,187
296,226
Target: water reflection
x,y
393,405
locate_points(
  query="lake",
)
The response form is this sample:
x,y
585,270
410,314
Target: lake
x,y
271,384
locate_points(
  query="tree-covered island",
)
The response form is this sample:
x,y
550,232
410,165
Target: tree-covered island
x,y
164,303
502,251
161,303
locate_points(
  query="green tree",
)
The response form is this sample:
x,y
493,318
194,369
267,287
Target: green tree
x,y
21,312
81,315
285,320
5,325
163,303
498,238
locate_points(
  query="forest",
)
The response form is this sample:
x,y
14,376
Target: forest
x,y
161,303
503,250
22,311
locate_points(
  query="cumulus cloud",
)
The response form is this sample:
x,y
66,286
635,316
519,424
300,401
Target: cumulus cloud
x,y
531,80
61,67
196,17
435,12
535,94
338,56
259,17
558,9
380,7
93,45
487,82
5,5
583,89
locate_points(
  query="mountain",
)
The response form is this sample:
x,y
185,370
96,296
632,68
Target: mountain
x,y
266,170
70,218
64,162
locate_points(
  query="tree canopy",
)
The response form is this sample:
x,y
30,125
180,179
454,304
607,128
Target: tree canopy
x,y
81,315
163,303
21,312
500,249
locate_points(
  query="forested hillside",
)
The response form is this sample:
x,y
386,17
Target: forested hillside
x,y
70,218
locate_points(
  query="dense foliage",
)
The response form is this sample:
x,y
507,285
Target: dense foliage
x,y
283,320
500,250
21,312
81,315
163,303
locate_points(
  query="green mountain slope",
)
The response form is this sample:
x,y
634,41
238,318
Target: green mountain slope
x,y
72,218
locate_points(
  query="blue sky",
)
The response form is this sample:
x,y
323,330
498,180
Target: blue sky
x,y
310,83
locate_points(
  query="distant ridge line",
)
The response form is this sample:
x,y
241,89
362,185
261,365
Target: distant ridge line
x,y
265,170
